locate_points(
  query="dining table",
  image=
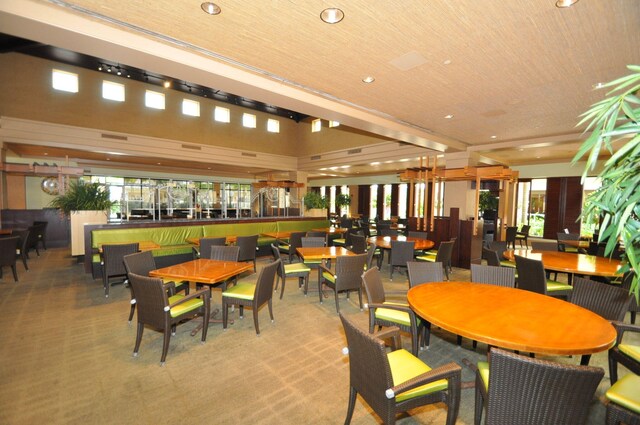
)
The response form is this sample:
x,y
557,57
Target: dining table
x,y
203,271
230,240
571,263
142,245
512,318
331,230
384,242
322,254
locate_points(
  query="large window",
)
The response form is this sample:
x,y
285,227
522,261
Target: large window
x,y
402,200
531,205
589,224
373,204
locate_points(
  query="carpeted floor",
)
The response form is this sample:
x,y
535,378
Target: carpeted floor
x,y
65,358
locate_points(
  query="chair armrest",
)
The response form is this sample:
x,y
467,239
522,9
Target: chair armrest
x,y
170,287
621,328
398,307
450,371
197,294
324,268
392,332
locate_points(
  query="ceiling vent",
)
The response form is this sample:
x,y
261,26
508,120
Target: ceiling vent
x,y
354,151
253,155
193,147
316,157
113,136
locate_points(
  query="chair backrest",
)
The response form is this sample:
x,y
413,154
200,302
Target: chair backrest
x,y
444,252
32,239
373,286
608,301
499,246
113,257
369,370
371,252
225,253
531,275
140,263
346,223
523,390
295,240
323,235
401,252
626,285
416,234
544,246
387,232
525,229
510,234
248,246
348,271
8,248
424,272
499,276
313,242
264,284
568,236
207,243
276,257
492,257
151,300
358,244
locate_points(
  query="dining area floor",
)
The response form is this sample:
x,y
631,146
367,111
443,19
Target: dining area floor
x,y
66,355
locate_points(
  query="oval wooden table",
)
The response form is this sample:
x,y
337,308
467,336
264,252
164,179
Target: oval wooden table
x,y
568,262
384,242
512,318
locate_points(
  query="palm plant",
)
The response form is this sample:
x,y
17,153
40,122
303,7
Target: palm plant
x,y
81,196
616,119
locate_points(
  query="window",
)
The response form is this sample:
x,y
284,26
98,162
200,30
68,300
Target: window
x,y
248,120
402,200
588,225
273,126
64,81
386,212
333,123
113,91
373,205
221,114
190,107
154,99
316,125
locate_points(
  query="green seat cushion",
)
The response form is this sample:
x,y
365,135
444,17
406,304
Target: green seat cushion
x,y
632,351
185,307
483,369
506,263
395,316
429,258
296,268
339,241
243,291
284,248
313,262
572,249
626,392
552,286
405,366
328,276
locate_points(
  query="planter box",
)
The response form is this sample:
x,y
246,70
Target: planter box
x,y
316,212
78,220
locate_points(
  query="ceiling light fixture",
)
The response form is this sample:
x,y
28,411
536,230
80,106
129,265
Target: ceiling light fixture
x,y
167,84
332,15
211,8
565,3
447,62
494,137
448,117
368,79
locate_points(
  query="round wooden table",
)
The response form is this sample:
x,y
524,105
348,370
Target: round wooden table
x,y
384,242
567,262
512,318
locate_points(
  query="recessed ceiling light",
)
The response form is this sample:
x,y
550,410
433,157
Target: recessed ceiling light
x,y
46,153
375,163
211,8
494,137
521,149
167,84
448,117
332,15
447,62
108,159
404,160
565,3
158,163
368,79
346,166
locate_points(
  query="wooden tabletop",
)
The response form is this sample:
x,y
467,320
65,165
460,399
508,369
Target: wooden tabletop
x,y
512,318
196,241
6,231
331,230
323,253
575,244
384,242
203,270
142,245
568,262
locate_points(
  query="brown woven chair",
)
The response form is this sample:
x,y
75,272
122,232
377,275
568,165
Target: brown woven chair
x,y
8,248
141,263
358,244
531,277
634,308
401,253
520,390
510,236
113,263
372,251
21,250
346,277
499,276
443,255
42,232
492,257
204,250
397,381
158,307
295,242
224,253
383,313
422,272
299,270
523,235
32,240
625,354
324,235
248,247
561,236
417,234
623,401
253,295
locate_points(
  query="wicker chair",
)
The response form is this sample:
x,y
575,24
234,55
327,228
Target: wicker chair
x,y
345,278
358,244
520,390
397,381
626,285
299,270
544,246
531,277
401,253
567,237
8,248
21,250
623,401
383,313
141,263
113,263
224,253
492,257
523,235
372,251
253,295
500,247
499,276
42,232
510,236
416,234
387,232
158,307
421,272
443,255
317,234
626,354
295,242
32,240
248,246
204,251
313,242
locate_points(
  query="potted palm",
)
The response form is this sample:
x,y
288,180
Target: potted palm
x,y
315,204
84,203
342,200
615,120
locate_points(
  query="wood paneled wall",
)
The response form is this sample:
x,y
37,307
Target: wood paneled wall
x,y
563,206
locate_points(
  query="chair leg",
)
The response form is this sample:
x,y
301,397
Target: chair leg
x,y
15,272
255,320
271,311
360,298
133,308
337,301
284,280
225,314
138,339
352,404
165,344
613,369
320,290
24,261
479,405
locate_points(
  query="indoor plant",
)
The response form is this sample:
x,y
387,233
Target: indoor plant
x,y
616,119
342,200
315,204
